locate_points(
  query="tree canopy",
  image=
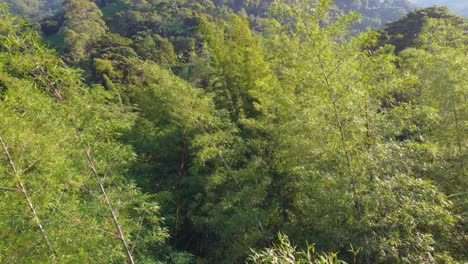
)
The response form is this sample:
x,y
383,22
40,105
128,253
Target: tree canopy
x,y
233,131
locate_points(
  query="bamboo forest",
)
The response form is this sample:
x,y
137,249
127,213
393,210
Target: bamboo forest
x,y
233,131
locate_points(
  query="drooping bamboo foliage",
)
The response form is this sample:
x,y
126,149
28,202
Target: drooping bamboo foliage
x,y
37,94
235,121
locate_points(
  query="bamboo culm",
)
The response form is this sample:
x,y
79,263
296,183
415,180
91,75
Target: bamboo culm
x,y
120,234
58,95
26,196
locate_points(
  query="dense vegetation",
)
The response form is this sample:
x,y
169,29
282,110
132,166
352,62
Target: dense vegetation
x,y
34,9
458,6
230,132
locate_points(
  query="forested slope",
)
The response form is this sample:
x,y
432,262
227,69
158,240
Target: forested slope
x,y
232,131
458,6
34,9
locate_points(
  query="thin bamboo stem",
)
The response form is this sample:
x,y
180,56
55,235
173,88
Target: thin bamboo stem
x,y
180,173
120,234
140,227
459,143
26,196
57,92
9,188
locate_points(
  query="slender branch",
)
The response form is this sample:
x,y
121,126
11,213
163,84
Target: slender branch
x,y
25,194
139,232
9,189
107,232
30,166
459,143
104,193
369,139
180,173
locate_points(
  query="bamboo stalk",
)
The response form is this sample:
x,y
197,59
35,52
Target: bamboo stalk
x,y
120,234
58,95
25,194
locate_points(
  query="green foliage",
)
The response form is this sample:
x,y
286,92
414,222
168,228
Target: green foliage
x,y
403,33
82,27
284,252
52,165
34,9
237,56
155,48
238,120
375,13
440,65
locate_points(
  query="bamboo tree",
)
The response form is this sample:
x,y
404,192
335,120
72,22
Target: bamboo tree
x,y
32,80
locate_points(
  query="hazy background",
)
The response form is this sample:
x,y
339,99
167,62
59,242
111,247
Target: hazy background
x,y
458,6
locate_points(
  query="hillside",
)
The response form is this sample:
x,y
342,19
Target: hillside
x,y
231,131
458,6
34,9
375,13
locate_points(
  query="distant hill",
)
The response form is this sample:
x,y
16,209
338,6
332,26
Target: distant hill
x,y
403,33
458,6
34,9
375,13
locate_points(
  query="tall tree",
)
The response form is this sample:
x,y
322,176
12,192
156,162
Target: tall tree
x,y
82,27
